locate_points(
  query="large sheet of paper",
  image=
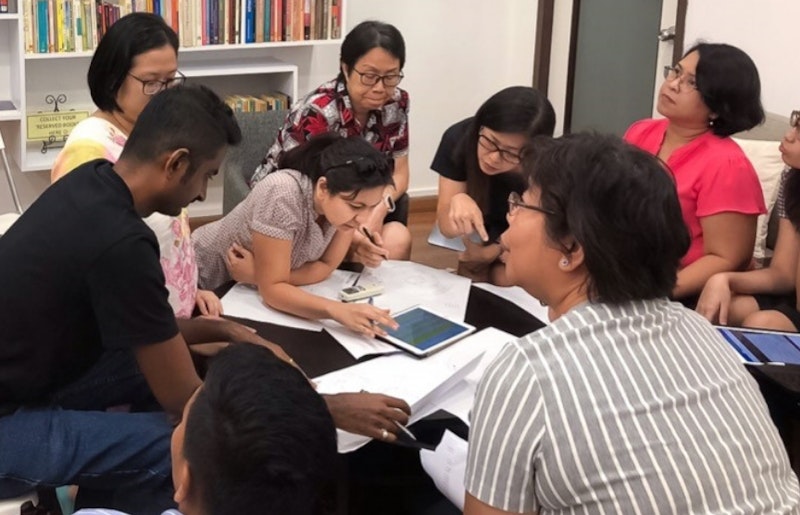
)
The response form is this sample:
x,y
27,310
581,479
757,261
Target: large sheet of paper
x,y
458,400
416,381
405,285
447,466
518,296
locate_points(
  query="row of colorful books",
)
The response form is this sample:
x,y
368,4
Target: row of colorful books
x,y
77,25
250,104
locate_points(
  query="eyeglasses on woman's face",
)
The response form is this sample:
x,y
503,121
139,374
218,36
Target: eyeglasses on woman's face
x,y
370,79
153,87
490,146
684,79
515,202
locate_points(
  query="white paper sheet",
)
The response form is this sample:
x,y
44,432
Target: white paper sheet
x,y
447,466
406,284
458,400
244,302
414,380
521,298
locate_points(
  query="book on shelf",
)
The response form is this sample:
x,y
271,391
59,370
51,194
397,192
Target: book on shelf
x,y
57,26
3,6
272,101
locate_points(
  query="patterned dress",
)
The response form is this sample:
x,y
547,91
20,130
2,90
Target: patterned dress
x,y
328,109
95,138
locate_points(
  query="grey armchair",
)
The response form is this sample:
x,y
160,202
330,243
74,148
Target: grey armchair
x,y
259,131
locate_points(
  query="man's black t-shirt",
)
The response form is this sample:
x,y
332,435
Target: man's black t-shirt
x,y
444,163
79,273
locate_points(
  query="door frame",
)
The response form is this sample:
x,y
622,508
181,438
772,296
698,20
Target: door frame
x,y
543,42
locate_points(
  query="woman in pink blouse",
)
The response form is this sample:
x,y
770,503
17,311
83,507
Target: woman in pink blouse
x,y
713,92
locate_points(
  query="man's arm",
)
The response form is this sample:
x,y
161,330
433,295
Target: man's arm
x,y
169,371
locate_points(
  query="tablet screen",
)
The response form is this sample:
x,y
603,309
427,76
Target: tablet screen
x,y
764,346
424,330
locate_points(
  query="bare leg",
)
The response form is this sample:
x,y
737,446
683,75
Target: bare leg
x,y
769,319
741,307
397,240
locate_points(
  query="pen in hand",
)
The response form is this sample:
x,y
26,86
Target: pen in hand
x,y
371,239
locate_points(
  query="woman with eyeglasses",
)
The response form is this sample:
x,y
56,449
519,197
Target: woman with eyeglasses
x,y
478,161
297,223
712,93
627,402
136,59
766,298
363,100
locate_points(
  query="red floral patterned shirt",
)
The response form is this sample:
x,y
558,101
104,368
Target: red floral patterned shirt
x,y
328,109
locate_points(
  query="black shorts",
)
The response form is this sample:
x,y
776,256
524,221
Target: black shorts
x,y
400,213
784,304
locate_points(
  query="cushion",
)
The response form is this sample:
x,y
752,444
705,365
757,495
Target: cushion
x,y
766,159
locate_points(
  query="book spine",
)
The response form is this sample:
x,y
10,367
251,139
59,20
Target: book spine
x,y
250,29
258,21
41,25
27,25
3,6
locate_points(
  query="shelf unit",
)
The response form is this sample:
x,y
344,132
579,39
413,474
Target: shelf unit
x,y
26,79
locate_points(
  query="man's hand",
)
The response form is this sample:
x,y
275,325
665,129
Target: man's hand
x,y
369,414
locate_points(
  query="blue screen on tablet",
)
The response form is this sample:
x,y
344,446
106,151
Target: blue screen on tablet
x,y
423,329
776,347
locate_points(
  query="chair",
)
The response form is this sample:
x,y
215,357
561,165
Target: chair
x,y
12,188
259,131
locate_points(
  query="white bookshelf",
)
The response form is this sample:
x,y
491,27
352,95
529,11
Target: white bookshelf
x,y
26,79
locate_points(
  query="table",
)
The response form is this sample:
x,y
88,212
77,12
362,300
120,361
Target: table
x,y
380,472
318,353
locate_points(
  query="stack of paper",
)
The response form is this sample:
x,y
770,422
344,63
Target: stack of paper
x,y
416,381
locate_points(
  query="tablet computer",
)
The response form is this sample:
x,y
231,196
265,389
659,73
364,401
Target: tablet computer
x,y
763,345
422,332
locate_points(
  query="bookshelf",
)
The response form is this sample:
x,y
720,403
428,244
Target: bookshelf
x,y
231,68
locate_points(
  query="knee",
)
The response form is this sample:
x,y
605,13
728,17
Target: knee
x,y
769,319
397,239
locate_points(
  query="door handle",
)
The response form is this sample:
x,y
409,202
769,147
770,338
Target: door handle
x,y
667,34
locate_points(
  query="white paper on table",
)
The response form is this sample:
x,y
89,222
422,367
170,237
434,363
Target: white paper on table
x,y
414,380
405,284
447,466
358,345
244,302
518,296
459,399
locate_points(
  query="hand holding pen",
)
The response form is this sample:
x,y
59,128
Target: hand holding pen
x,y
370,250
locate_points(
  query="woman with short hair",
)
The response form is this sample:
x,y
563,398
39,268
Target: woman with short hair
x,y
713,92
136,59
363,100
627,402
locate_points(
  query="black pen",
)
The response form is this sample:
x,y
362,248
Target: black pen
x,y
371,239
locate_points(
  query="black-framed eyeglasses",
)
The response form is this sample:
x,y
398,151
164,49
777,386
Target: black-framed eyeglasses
x,y
794,120
515,202
490,146
676,72
153,87
370,79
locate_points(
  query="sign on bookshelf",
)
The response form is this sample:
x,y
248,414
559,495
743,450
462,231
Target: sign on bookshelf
x,y
43,126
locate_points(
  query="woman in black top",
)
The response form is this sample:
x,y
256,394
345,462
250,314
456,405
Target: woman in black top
x,y
478,161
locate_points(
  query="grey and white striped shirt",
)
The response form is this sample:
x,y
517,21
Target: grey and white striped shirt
x,y
633,408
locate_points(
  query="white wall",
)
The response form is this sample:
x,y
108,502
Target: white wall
x,y
766,30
